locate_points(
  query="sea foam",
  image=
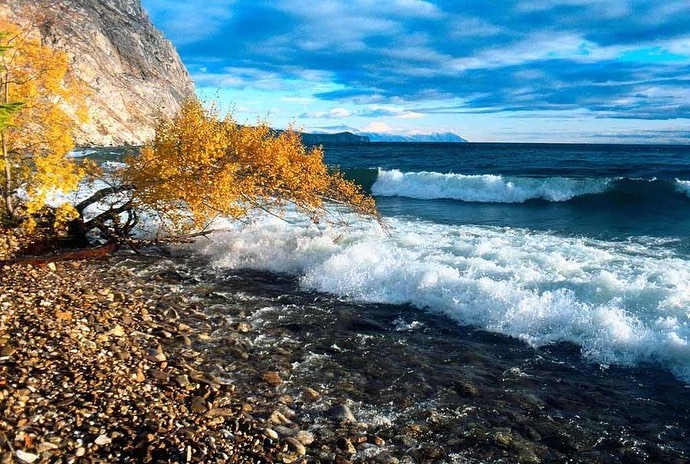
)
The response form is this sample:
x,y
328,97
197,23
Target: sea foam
x,y
487,188
621,302
683,186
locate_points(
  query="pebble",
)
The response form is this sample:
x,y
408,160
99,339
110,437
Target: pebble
x,y
182,380
243,327
198,405
26,457
117,331
342,413
103,440
346,445
296,446
272,378
156,355
278,417
304,437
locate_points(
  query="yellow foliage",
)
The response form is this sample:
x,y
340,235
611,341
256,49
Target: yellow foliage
x,y
37,138
205,165
63,215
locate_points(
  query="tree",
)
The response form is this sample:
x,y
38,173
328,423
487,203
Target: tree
x,y
35,135
201,166
6,108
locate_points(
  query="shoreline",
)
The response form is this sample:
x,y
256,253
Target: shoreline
x,y
256,370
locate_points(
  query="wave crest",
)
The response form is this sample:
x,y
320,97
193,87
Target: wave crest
x,y
487,188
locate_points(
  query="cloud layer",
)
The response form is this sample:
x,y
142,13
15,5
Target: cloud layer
x,y
607,59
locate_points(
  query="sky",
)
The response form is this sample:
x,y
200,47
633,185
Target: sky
x,y
586,71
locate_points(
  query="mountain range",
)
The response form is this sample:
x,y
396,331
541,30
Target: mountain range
x,y
315,138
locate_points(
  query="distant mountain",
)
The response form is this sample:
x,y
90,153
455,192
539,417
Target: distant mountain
x,y
341,137
318,137
434,137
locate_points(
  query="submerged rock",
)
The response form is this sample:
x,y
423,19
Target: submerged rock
x,y
342,413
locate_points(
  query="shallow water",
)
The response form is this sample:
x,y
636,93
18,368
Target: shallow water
x,y
437,391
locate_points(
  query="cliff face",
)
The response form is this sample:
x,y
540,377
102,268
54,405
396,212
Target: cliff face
x,y
133,72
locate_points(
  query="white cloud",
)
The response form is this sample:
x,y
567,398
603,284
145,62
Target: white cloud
x,y
377,126
333,113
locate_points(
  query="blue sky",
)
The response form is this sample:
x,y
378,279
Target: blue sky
x,y
530,70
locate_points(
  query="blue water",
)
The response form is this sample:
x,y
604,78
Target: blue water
x,y
635,188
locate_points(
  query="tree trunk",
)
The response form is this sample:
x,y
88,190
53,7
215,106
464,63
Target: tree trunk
x,y
7,188
87,253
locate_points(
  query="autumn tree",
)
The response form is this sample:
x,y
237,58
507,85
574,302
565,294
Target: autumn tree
x,y
7,108
201,166
35,133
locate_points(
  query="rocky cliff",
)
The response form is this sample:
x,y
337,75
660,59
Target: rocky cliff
x,y
133,72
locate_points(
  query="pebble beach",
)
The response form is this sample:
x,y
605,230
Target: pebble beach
x,y
100,365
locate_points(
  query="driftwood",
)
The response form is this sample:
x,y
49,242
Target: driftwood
x,y
71,255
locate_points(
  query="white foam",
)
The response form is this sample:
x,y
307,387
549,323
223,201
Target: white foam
x,y
683,186
620,301
483,188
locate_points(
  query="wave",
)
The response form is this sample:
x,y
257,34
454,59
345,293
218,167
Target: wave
x,y
492,188
622,302
487,188
683,186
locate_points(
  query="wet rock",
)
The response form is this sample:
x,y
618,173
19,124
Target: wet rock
x,y
503,439
311,394
156,354
272,378
342,413
346,445
278,417
243,327
198,405
182,380
285,431
296,446
304,437
465,388
160,375
46,446
139,375
7,350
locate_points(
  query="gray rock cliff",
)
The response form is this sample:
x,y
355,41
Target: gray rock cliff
x,y
134,74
